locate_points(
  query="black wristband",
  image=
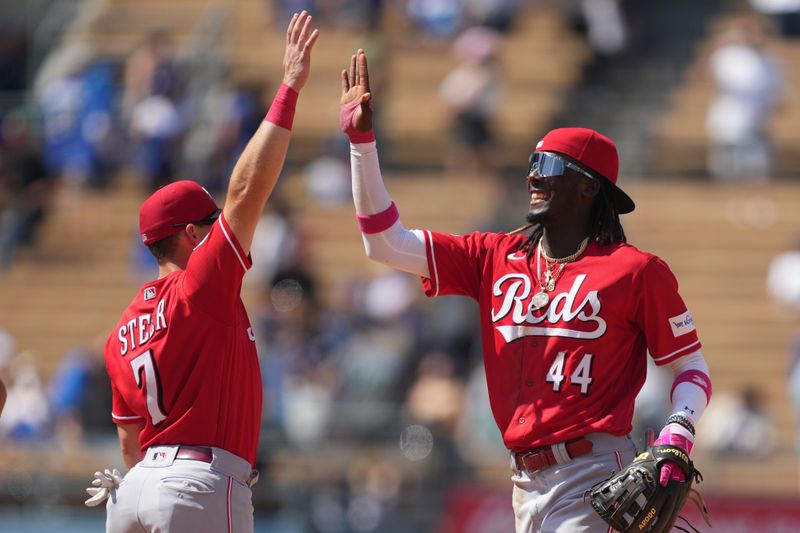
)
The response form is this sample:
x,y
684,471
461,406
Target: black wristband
x,y
682,421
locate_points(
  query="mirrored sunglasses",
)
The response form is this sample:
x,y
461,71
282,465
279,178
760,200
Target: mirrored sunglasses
x,y
547,165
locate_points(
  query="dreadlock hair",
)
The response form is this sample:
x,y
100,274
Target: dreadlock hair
x,y
605,227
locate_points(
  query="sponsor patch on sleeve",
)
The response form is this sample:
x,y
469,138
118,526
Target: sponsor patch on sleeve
x,y
681,324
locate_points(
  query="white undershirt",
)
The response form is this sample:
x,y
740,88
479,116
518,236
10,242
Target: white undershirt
x,y
396,247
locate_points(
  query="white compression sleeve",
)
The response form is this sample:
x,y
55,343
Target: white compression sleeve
x,y
689,399
396,247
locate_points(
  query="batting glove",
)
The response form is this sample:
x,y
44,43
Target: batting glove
x,y
104,482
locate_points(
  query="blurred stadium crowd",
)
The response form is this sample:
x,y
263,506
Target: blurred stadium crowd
x,y
374,403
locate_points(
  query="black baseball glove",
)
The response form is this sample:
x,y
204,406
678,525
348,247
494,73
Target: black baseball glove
x,y
634,500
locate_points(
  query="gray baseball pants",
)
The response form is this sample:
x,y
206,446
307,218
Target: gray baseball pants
x,y
162,494
552,500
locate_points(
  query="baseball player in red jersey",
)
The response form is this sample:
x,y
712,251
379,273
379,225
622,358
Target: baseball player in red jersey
x,y
569,314
182,360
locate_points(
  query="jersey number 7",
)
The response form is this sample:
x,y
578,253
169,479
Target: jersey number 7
x,y
146,373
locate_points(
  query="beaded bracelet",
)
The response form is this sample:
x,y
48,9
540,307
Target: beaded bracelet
x,y
682,421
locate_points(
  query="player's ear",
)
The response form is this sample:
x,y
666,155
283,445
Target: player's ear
x,y
193,233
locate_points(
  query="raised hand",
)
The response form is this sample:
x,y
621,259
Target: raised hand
x,y
300,41
356,102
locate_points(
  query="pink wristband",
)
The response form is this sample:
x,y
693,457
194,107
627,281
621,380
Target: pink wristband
x,y
693,376
346,123
378,222
281,112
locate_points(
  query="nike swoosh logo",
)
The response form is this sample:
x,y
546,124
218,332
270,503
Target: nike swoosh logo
x,y
516,257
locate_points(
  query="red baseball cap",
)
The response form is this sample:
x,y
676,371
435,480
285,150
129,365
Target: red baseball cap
x,y
592,150
170,208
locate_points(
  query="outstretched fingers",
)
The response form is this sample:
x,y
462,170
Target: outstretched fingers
x,y
310,41
345,82
296,26
352,74
305,28
363,70
290,29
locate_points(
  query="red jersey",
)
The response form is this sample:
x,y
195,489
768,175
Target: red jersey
x,y
575,365
182,358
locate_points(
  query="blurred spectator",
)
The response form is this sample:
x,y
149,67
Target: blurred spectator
x,y
495,14
477,438
156,132
435,398
308,403
150,105
27,416
276,242
13,59
374,485
783,285
738,424
606,27
150,70
24,184
237,115
451,326
783,276
784,13
389,297
295,388
378,356
327,176
472,91
748,80
80,395
435,19
68,388
794,388
355,14
76,95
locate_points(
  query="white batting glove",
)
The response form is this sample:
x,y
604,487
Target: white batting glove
x,y
104,482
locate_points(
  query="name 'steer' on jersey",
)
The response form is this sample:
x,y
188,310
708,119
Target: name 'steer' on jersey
x,y
142,328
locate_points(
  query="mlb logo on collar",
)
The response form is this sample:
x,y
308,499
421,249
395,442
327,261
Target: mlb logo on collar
x,y
149,293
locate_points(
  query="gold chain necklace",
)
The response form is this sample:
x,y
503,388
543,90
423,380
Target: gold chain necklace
x,y
548,282
567,259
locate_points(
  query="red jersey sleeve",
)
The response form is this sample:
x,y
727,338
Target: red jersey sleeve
x,y
662,314
213,276
455,263
120,412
